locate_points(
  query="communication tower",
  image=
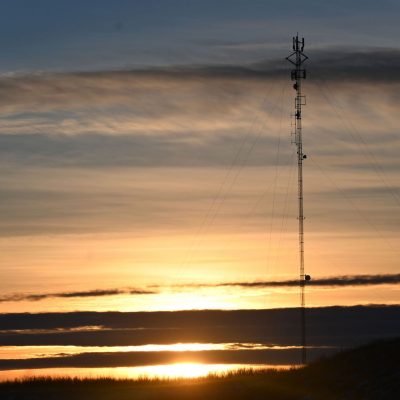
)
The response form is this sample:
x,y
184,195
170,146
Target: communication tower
x,y
297,58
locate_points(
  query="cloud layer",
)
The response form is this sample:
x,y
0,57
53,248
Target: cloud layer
x,y
193,166
338,281
68,295
274,327
346,280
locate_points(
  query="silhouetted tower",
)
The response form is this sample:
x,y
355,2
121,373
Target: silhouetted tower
x,y
297,58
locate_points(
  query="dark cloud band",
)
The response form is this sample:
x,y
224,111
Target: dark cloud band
x,y
331,64
337,281
86,293
345,280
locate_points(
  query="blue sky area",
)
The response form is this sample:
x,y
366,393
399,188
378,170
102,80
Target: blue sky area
x,y
84,35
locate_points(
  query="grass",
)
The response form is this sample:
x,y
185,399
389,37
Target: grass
x,y
368,372
144,379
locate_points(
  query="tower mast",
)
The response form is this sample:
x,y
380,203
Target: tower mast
x,y
297,58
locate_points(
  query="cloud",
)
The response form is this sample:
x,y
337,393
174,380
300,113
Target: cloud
x,y
139,150
129,359
344,280
163,152
373,65
270,326
47,92
63,295
196,116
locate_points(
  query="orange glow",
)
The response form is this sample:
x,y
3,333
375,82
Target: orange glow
x,y
23,352
169,371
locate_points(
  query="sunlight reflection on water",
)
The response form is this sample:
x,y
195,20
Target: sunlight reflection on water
x,y
23,352
170,371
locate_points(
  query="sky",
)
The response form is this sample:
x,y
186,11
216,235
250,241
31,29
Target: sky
x,y
146,159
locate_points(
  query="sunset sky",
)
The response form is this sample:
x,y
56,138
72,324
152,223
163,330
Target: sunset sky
x,y
146,160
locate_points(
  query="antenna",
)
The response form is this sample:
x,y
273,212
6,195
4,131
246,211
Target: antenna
x,y
297,58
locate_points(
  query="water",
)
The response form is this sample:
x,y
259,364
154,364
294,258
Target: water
x,y
26,352
178,360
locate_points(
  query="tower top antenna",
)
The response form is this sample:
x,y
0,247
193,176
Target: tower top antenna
x,y
297,58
